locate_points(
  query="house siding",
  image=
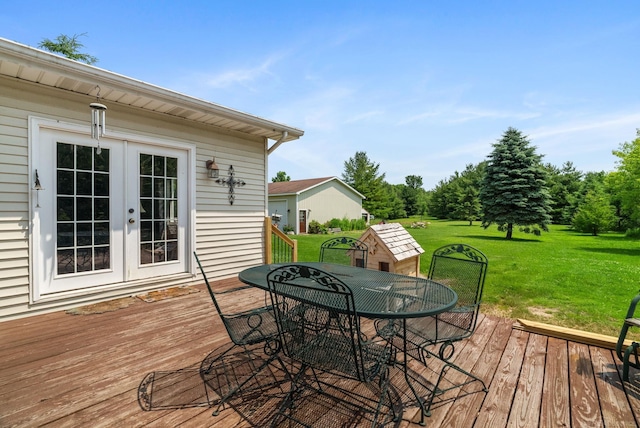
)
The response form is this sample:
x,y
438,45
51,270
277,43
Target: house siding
x,y
330,200
228,237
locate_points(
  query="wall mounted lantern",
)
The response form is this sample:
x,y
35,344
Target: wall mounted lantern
x,y
98,120
213,171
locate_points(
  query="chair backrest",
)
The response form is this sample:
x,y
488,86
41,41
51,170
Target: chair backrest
x,y
463,268
317,320
344,250
253,324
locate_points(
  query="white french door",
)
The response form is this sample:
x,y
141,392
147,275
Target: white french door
x,y
156,211
106,217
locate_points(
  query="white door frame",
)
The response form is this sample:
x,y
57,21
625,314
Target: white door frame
x,y
117,141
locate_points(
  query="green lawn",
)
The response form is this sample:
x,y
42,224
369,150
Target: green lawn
x,y
562,277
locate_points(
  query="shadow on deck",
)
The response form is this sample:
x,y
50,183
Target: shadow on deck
x,y
141,365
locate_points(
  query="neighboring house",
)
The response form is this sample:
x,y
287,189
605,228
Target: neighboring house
x,y
78,225
298,202
392,249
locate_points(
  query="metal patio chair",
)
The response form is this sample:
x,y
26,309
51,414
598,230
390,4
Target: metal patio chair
x,y
344,250
320,329
625,356
463,268
251,326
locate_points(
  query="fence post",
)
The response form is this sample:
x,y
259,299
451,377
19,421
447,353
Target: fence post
x,y
268,256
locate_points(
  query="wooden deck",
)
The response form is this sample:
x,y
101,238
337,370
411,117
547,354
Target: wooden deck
x,y
86,370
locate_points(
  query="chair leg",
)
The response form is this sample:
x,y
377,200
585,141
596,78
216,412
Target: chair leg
x,y
633,348
473,378
385,380
621,338
255,369
448,365
288,402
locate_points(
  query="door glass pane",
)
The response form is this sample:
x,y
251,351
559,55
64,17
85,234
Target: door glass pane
x,y
158,209
83,218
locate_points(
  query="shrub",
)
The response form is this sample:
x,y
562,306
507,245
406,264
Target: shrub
x,y
346,224
633,233
286,228
316,228
334,223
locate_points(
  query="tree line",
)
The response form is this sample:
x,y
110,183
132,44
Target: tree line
x,y
512,188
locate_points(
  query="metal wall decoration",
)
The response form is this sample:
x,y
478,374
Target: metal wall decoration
x,y
232,182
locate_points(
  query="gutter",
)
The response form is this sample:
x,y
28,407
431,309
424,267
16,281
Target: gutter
x,y
30,57
277,143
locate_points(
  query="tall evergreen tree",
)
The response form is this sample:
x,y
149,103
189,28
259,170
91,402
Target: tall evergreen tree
x,y
396,204
412,194
362,174
514,190
467,206
442,196
564,184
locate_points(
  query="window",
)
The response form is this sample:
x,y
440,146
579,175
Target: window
x,y
82,209
158,209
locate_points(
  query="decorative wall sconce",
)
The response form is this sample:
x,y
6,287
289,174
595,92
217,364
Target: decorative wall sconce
x,y
98,120
213,171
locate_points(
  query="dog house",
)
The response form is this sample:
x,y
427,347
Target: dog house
x,y
392,249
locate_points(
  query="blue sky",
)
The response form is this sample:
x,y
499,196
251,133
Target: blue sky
x,y
423,87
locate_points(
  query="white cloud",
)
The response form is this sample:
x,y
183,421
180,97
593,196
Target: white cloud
x,y
364,116
242,76
608,123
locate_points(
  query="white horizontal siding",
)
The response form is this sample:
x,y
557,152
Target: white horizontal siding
x,y
228,237
331,200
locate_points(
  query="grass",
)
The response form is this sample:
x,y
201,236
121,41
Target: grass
x,y
563,277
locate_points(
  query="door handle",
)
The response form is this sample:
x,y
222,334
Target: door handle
x,y
131,221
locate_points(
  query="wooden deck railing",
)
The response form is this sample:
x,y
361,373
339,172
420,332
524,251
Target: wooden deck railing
x,y
279,248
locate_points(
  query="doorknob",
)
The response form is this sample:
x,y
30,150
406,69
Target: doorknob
x,y
131,221
131,210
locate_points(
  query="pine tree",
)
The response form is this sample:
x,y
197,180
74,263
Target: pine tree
x,y
362,174
514,189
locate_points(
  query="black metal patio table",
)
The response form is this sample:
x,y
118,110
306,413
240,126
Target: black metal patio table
x,y
378,295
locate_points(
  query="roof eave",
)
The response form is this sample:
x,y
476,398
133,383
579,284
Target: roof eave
x,y
109,81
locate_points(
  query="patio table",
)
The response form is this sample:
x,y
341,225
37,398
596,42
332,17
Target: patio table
x,y
378,295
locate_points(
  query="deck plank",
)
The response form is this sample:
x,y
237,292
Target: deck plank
x,y
481,356
497,406
585,409
63,370
555,405
616,411
525,409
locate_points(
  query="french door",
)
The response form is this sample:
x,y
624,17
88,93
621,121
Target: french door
x,y
156,211
109,216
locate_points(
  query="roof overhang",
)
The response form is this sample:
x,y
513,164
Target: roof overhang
x,y
43,68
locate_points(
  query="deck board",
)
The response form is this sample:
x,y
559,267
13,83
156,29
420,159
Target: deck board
x,y
63,370
556,404
585,409
525,408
